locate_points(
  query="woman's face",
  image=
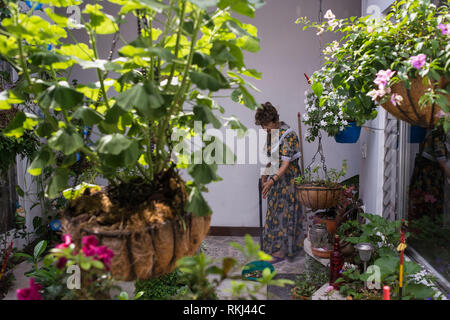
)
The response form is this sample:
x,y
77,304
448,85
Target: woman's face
x,y
270,126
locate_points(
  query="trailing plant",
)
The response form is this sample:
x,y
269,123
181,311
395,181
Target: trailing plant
x,y
25,146
329,178
411,41
307,283
167,80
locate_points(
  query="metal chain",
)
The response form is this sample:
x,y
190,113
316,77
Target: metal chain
x,y
318,152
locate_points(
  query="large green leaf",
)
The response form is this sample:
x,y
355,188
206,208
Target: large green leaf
x,y
388,265
113,144
243,7
66,141
44,158
204,113
197,204
142,96
21,122
58,182
88,115
418,291
60,96
39,248
205,4
203,173
205,81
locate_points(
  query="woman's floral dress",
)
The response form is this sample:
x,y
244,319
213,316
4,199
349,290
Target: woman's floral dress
x,y
283,230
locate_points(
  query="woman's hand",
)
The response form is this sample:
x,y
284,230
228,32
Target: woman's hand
x,y
264,179
266,188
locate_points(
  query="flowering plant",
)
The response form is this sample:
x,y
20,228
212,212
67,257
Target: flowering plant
x,y
374,54
56,281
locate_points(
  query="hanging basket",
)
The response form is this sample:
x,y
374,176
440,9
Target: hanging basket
x,y
149,252
316,197
349,135
410,110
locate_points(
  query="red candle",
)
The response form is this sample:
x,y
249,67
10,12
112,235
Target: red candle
x,y
386,293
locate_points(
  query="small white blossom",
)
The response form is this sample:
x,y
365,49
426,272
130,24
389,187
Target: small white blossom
x,y
329,15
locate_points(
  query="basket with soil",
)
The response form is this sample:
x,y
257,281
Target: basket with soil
x,y
145,225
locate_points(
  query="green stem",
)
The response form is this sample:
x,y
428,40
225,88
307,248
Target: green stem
x,y
99,73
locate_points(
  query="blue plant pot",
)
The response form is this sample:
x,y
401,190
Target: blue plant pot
x,y
349,135
417,134
256,266
31,3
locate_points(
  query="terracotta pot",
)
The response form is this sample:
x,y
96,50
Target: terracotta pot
x,y
146,253
331,224
409,110
316,197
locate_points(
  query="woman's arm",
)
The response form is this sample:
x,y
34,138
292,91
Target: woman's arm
x,y
278,175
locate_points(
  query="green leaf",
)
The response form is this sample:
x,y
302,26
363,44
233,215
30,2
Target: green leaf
x,y
40,161
235,124
243,7
317,89
60,96
39,248
205,81
113,144
88,115
57,182
144,97
21,122
197,204
204,4
73,193
203,173
205,114
66,141
20,192
418,291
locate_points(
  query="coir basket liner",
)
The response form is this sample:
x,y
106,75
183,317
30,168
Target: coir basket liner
x,y
317,197
409,109
146,253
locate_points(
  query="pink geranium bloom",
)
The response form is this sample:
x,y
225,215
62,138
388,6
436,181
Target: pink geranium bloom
x,y
445,28
67,241
418,61
105,255
396,99
89,251
90,241
31,293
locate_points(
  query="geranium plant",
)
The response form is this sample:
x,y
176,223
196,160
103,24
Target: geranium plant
x,y
163,81
329,178
411,42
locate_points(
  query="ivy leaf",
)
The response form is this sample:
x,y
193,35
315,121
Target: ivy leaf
x,y
66,141
197,204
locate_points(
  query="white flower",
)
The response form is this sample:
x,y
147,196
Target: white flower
x,y
329,15
321,30
369,29
344,122
333,24
305,117
312,109
323,123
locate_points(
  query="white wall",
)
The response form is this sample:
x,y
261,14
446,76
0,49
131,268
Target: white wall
x,y
287,52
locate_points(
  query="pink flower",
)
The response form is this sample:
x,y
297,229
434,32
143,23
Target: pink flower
x,y
445,28
418,61
89,251
396,99
61,263
375,94
442,114
429,198
383,77
330,288
31,293
90,241
67,241
105,255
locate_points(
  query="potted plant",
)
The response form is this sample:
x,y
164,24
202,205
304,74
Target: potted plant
x,y
327,217
320,192
140,107
326,109
400,61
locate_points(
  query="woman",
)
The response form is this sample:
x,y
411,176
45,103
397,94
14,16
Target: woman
x,y
283,233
